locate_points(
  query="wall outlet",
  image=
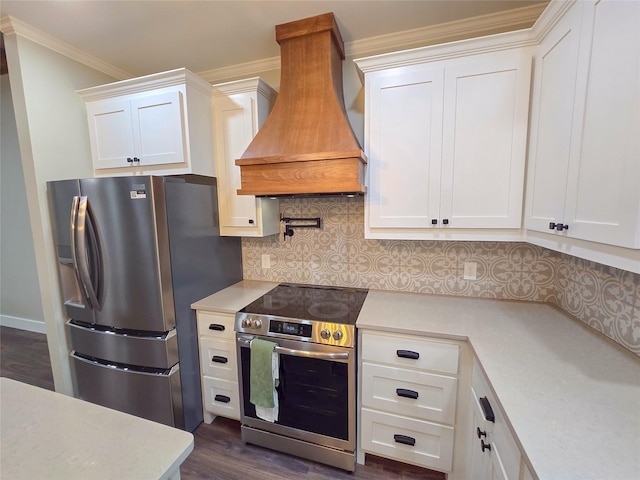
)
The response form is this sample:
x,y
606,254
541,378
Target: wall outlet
x,y
470,270
266,260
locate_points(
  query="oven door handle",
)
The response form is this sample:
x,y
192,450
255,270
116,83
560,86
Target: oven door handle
x,y
246,341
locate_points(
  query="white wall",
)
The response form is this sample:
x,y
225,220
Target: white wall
x,y
54,144
20,304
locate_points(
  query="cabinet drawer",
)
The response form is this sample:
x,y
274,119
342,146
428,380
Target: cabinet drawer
x,y
221,397
218,358
216,325
410,352
426,396
383,434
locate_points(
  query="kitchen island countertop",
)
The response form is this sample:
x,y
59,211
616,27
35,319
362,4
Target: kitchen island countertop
x,y
571,395
45,434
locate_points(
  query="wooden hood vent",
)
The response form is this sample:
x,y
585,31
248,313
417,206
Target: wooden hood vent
x,y
306,145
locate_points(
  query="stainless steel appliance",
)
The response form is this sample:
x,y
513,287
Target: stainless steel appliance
x,y
133,254
314,329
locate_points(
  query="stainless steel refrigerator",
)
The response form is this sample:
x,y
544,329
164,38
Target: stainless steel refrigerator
x,y
133,254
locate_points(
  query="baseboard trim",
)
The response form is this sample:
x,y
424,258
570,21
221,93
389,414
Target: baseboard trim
x,y
22,323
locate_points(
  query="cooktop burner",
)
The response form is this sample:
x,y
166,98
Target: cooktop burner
x,y
310,302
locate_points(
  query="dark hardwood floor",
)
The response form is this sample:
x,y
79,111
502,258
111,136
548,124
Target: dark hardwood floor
x,y
219,453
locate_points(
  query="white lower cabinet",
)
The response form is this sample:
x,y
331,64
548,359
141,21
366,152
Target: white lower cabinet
x,y
408,399
218,365
492,451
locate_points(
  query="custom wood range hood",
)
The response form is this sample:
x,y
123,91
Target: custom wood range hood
x,y
306,146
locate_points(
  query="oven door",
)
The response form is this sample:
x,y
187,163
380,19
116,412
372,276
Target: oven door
x,y
316,393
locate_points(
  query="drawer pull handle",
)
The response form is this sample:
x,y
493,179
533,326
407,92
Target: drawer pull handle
x,y
403,392
487,410
408,354
218,359
481,433
404,439
217,327
222,398
485,446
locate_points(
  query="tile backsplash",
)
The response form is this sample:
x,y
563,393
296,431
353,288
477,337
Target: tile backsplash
x,y
603,297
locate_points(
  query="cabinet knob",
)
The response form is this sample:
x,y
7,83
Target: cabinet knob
x,y
485,446
562,226
434,221
251,222
129,160
136,159
552,225
481,433
445,221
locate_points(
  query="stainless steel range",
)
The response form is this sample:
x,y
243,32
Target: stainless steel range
x,y
313,328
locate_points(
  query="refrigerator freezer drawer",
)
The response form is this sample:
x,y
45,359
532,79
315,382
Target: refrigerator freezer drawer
x,y
158,351
154,396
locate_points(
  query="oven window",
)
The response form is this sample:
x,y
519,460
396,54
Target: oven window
x,y
313,394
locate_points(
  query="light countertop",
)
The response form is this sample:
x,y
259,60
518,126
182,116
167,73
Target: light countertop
x,y
45,434
572,396
235,297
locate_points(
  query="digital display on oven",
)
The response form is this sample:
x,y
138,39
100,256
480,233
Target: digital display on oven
x,y
290,328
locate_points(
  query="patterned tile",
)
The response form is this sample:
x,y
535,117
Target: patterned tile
x,y
605,298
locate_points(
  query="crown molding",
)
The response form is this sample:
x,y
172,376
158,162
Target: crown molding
x,y
12,26
241,70
513,19
247,85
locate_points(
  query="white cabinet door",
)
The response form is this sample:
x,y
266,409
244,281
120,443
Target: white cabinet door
x,y
603,193
158,132
110,133
556,62
404,147
484,140
234,130
237,118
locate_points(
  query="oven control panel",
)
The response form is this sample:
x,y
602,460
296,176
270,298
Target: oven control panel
x,y
309,331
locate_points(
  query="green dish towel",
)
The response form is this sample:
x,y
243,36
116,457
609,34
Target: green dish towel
x,y
261,382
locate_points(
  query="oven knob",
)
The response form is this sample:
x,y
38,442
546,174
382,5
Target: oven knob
x,y
256,323
337,335
325,334
246,323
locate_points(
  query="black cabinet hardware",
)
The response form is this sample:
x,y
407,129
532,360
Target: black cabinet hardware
x,y
222,398
129,160
445,221
216,326
408,354
485,446
136,159
487,410
251,221
404,439
552,225
481,433
403,392
562,226
434,221
219,359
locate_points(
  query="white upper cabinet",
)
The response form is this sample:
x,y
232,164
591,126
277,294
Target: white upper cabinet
x,y
239,109
584,160
446,140
158,124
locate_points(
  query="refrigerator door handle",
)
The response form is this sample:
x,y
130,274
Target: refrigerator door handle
x,y
79,250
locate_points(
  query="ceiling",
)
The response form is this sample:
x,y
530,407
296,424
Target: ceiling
x,y
143,37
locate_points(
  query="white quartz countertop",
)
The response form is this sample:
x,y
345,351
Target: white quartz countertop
x,y
45,434
571,395
235,297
